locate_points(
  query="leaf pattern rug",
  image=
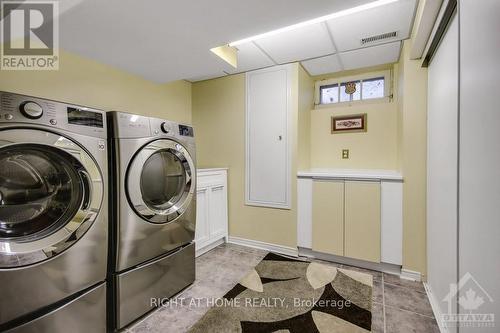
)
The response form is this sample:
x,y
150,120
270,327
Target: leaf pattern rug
x,y
284,295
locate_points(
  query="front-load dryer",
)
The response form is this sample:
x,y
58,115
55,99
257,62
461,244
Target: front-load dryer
x,y
153,211
53,216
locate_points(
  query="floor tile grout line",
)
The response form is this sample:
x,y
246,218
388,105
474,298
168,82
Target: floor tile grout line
x,y
405,287
409,311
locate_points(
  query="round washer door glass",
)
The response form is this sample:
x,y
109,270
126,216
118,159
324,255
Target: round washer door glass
x,y
51,191
162,171
40,190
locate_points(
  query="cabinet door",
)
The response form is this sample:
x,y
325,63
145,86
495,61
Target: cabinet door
x,y
217,212
268,164
202,232
362,220
328,217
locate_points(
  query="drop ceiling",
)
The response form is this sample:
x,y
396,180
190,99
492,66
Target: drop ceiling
x,y
164,41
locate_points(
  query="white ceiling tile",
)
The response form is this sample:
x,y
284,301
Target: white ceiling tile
x,y
323,65
250,57
206,77
171,40
371,56
303,43
347,31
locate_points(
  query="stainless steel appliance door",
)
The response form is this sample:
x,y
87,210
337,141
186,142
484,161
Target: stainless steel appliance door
x,y
50,193
161,278
161,181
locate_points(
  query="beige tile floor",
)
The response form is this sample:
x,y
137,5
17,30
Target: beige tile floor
x,y
398,305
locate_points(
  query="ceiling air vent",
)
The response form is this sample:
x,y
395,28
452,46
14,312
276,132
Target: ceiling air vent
x,y
377,38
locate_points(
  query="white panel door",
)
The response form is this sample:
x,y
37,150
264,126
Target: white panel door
x,y
202,232
267,142
442,164
479,185
217,211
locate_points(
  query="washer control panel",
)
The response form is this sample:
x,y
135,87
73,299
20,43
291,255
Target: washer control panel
x,y
16,108
31,110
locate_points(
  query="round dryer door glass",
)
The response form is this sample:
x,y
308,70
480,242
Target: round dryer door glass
x,y
163,180
40,190
160,181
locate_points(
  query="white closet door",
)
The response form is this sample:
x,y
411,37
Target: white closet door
x,y
442,167
479,186
267,141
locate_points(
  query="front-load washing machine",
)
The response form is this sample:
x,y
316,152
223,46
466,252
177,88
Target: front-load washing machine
x,y
53,216
153,212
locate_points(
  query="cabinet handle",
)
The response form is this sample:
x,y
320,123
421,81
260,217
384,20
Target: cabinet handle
x,y
279,137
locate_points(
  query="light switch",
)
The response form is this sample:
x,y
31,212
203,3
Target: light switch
x,y
345,153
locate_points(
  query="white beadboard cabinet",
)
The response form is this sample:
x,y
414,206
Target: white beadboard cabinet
x,y
211,209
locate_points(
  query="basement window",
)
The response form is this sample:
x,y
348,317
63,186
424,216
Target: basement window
x,y
372,86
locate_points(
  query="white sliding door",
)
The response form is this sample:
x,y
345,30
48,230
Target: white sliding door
x,y
267,140
442,168
479,189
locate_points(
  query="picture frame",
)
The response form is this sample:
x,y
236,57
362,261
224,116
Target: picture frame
x,y
349,124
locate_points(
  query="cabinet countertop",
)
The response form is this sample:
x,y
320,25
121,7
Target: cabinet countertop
x,y
351,174
211,169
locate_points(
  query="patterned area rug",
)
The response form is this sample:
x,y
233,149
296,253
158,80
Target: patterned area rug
x,y
287,295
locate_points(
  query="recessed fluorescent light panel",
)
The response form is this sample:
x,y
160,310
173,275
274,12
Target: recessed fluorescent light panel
x,y
341,13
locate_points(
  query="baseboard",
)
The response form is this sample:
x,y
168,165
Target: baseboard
x,y
289,251
411,275
210,246
381,267
435,308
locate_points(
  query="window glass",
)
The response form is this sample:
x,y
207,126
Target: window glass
x,y
345,97
373,88
329,94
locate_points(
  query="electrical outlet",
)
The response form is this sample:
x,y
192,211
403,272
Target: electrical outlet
x,y
345,154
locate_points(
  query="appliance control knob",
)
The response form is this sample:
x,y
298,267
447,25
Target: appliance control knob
x,y
164,128
31,110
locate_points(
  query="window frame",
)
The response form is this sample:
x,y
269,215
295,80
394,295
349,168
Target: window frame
x,y
386,74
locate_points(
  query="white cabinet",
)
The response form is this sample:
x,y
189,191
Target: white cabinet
x,y
268,146
211,209
355,214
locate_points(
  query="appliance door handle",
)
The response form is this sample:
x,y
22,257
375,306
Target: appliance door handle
x,y
87,189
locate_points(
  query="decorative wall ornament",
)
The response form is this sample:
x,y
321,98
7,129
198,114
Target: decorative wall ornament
x,y
349,124
350,88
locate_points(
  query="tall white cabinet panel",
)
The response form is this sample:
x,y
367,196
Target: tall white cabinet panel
x,y
479,175
211,209
268,149
391,233
442,168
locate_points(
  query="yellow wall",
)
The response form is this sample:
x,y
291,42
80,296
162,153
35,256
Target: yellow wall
x,y
89,83
375,149
413,119
219,119
306,102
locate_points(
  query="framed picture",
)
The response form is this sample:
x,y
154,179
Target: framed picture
x,y
349,124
